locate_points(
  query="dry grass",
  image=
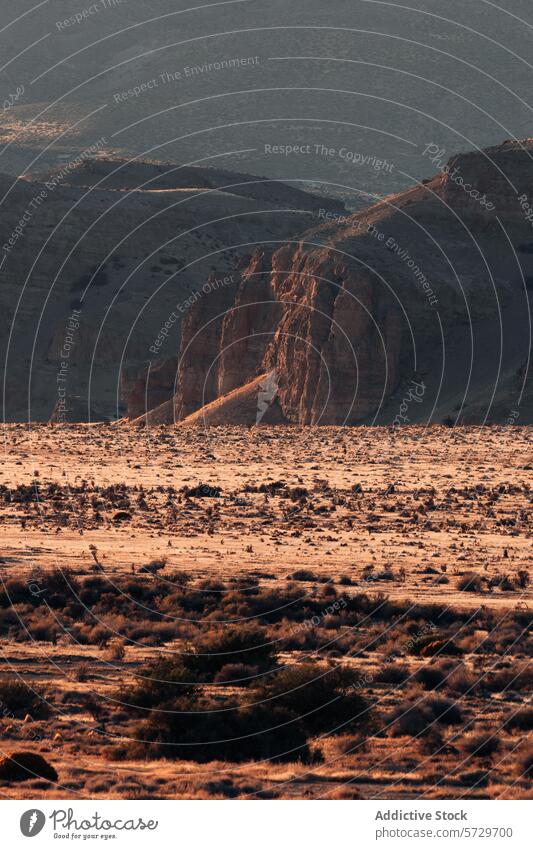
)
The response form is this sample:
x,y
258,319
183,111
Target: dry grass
x,y
300,605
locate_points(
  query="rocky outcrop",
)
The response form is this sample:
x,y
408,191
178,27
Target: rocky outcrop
x,y
424,285
130,246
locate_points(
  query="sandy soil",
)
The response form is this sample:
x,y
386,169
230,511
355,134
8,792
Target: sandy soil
x,y
406,513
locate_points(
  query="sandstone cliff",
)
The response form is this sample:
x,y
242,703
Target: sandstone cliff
x,y
429,285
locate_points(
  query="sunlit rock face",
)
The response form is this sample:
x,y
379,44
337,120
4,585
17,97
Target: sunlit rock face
x,y
429,283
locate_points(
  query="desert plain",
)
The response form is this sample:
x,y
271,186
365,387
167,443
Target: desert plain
x,y
267,612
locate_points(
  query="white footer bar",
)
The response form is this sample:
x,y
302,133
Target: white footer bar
x,y
267,824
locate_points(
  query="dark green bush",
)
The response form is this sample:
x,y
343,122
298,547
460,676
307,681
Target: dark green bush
x,y
190,729
242,644
163,680
322,697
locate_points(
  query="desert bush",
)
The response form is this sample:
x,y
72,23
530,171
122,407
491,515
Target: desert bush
x,y
474,778
8,621
17,700
322,697
57,588
410,718
433,742
345,581
525,764
462,681
164,679
25,766
238,674
190,729
245,644
42,626
509,679
481,745
506,583
430,677
523,578
304,575
14,591
520,720
83,673
116,649
471,582
94,706
394,673
154,566
445,711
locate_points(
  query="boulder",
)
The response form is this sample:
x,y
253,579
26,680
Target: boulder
x,y
23,766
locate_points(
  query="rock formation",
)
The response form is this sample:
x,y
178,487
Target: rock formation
x,y
130,246
427,285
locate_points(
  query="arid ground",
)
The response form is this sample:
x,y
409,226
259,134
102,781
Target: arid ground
x,y
278,612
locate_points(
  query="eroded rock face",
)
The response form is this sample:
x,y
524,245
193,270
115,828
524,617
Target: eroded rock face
x,y
198,364
416,285
149,387
321,328
336,348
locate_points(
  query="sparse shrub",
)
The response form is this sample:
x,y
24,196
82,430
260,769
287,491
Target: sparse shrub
x,y
412,719
83,673
17,699
238,674
345,581
245,644
304,575
508,680
521,720
408,719
471,582
445,711
430,677
154,566
462,681
203,490
523,579
116,649
14,591
190,729
525,764
433,742
394,673
94,707
322,697
42,626
507,584
164,679
481,745
385,575
474,778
